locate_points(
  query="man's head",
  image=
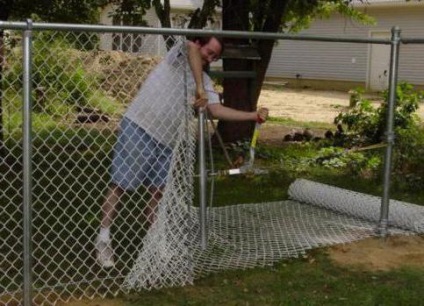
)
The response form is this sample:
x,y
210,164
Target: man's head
x,y
210,48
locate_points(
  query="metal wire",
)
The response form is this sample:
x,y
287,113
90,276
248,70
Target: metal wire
x,y
79,96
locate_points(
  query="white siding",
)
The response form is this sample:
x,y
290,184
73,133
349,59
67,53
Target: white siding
x,y
349,61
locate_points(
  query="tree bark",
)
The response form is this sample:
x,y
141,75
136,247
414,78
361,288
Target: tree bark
x,y
235,15
200,17
236,91
272,24
163,11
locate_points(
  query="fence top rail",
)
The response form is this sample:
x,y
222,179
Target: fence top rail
x,y
11,25
412,40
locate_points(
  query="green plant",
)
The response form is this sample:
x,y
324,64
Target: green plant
x,y
366,124
56,75
356,163
409,157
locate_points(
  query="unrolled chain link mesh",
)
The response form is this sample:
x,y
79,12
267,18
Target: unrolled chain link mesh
x,y
250,235
80,93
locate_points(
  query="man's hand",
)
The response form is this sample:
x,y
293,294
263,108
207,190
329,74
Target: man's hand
x,y
262,114
201,99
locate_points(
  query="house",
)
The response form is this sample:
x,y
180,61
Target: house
x,y
349,65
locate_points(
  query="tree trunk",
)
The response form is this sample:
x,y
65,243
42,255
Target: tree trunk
x,y
272,24
236,91
163,11
235,15
200,17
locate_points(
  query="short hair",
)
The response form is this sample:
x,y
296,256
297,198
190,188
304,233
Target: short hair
x,y
203,40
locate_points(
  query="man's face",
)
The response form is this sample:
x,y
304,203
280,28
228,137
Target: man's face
x,y
211,51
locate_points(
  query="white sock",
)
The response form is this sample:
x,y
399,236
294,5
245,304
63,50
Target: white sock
x,y
104,233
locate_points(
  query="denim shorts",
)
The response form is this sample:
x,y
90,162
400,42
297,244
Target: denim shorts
x,y
139,159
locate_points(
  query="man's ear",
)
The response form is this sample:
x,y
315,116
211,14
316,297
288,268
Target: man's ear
x,y
196,42
195,45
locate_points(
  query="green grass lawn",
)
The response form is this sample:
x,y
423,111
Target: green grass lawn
x,y
311,280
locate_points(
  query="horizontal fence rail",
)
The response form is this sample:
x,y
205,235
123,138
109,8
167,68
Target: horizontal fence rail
x,y
8,25
187,32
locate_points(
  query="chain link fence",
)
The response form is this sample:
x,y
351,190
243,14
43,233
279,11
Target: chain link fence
x,y
80,92
81,89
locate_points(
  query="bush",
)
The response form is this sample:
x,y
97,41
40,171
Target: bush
x,y
408,165
366,125
56,75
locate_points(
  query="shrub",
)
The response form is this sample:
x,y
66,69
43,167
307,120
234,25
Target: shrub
x,y
56,75
366,125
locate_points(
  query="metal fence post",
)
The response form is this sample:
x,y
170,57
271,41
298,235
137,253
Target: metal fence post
x,y
394,63
202,180
27,169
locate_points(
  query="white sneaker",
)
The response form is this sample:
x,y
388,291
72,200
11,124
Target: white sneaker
x,y
104,253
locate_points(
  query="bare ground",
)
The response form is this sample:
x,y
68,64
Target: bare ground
x,y
379,254
306,105
299,105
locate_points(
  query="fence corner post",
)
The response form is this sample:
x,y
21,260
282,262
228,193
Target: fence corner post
x,y
390,136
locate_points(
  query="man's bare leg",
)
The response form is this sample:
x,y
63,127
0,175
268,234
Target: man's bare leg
x,y
110,204
104,250
150,210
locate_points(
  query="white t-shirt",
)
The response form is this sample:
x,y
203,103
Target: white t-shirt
x,y
160,105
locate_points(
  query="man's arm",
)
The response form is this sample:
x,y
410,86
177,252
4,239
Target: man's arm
x,y
222,112
195,62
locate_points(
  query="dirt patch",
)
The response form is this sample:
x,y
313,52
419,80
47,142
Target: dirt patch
x,y
299,105
310,105
378,254
305,105
122,73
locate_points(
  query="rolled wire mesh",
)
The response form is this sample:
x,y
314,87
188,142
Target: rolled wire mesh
x,y
401,214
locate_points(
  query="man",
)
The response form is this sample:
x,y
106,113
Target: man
x,y
143,152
